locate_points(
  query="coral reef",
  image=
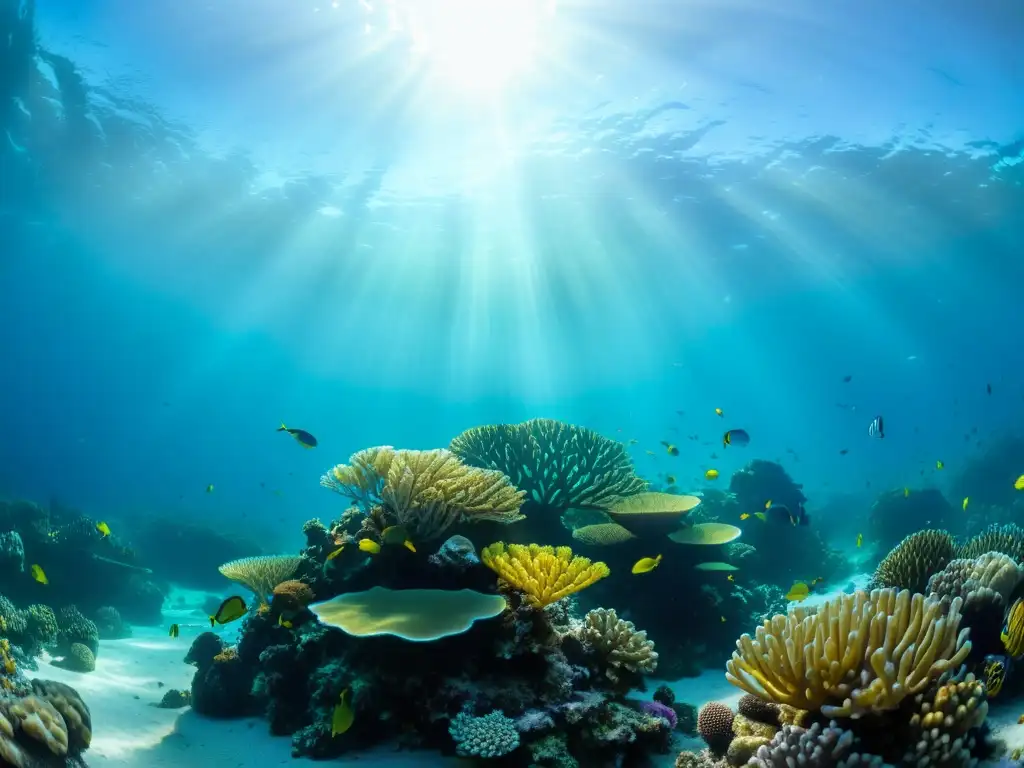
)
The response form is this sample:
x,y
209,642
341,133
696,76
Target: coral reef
x,y
261,574
492,735
913,561
623,652
45,725
544,574
714,724
1007,539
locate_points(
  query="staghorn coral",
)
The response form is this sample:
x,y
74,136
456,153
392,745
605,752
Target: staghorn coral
x,y
940,728
602,534
714,724
492,735
1008,539
859,653
558,465
620,646
987,579
262,573
910,564
544,574
429,491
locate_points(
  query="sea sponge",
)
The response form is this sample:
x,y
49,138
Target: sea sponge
x,y
420,615
621,647
858,653
987,579
492,735
940,728
544,574
73,627
558,465
292,596
1008,539
261,573
77,717
714,724
602,534
758,709
913,561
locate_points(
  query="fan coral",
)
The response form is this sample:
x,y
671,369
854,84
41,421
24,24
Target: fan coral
x,y
714,724
262,573
621,647
558,465
492,735
291,596
1008,539
988,578
544,574
426,492
602,534
942,721
859,653
910,564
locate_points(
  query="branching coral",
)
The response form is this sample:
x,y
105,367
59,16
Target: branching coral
x,y
859,653
262,573
815,747
558,465
544,574
910,564
942,722
621,647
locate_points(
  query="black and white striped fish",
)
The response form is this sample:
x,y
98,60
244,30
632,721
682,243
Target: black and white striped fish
x,y
877,428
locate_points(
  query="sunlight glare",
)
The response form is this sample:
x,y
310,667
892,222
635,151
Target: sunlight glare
x,y
478,45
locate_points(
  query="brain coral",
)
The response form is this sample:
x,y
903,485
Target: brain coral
x,y
913,561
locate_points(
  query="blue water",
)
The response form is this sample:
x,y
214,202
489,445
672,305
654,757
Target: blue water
x,y
257,212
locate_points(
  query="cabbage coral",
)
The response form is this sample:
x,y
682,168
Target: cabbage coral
x,y
558,465
543,574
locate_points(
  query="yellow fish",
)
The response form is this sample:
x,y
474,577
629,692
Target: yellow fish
x,y
729,578
174,631
232,609
39,575
906,492
396,534
719,411
745,516
768,504
104,529
1012,634
343,716
860,539
939,464
966,500
646,564
281,622
1019,483
711,474
670,449
798,592
369,545
761,516
209,488
336,552
994,675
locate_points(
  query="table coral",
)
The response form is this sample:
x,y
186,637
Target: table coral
x,y
261,574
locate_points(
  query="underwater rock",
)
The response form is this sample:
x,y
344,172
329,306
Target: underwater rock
x,y
222,683
175,699
457,552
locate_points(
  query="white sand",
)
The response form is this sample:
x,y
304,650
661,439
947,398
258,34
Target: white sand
x,y
129,731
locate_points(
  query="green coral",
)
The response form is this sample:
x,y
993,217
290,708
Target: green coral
x,y
558,465
79,659
41,623
73,627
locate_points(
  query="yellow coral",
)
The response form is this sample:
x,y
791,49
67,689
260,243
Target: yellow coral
x,y
858,653
228,654
261,574
544,574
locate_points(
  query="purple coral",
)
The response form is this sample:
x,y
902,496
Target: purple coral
x,y
657,709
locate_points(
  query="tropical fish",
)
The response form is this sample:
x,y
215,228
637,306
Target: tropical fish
x,y
736,437
745,516
336,552
719,411
396,534
711,474
843,451
174,631
39,575
939,464
1019,483
650,453
860,539
798,592
730,578
103,529
209,488
1012,633
302,437
369,545
768,504
761,516
282,622
232,609
966,500
715,566
995,670
646,564
343,716
670,449
877,427
632,441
